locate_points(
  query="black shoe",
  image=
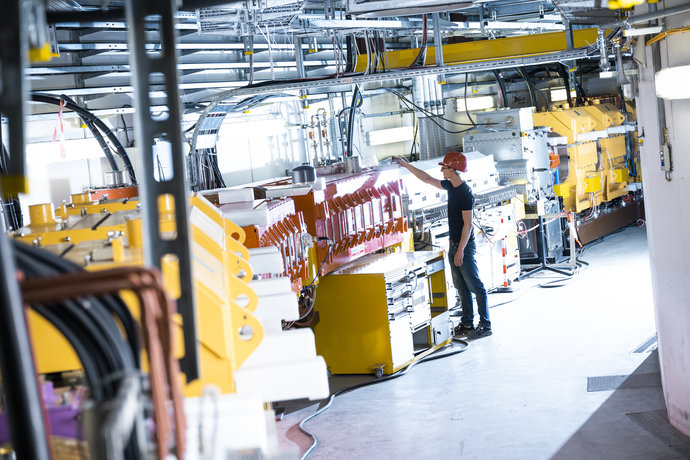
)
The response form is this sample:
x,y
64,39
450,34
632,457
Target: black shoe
x,y
461,329
481,331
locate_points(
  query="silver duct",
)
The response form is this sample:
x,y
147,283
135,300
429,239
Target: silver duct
x,y
431,139
428,95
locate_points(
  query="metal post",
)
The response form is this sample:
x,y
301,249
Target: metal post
x,y
299,58
571,64
335,151
13,52
438,45
656,63
143,66
604,64
27,425
482,25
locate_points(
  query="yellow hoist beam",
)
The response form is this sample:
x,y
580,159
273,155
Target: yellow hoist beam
x,y
488,50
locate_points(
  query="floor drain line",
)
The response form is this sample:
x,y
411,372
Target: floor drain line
x,y
623,382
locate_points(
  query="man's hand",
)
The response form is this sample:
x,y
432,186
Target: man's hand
x,y
458,259
401,162
418,173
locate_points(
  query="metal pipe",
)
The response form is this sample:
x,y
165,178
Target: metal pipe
x,y
604,64
622,79
386,114
658,14
651,16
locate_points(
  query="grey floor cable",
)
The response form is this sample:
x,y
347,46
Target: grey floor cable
x,y
431,357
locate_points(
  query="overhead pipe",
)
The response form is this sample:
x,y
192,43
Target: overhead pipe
x,y
651,16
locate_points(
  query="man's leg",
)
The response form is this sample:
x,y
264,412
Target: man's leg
x,y
470,276
462,288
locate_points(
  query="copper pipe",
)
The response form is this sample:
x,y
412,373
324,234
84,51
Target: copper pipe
x,y
157,310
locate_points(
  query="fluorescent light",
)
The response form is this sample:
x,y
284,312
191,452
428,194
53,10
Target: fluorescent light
x,y
559,94
498,25
391,135
243,128
475,103
52,152
634,32
672,83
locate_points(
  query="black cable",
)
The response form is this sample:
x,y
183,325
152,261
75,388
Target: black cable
x,y
86,115
431,119
114,304
531,88
74,334
501,88
356,103
411,104
467,111
124,128
413,147
89,327
97,135
421,55
563,72
92,314
318,272
400,373
350,55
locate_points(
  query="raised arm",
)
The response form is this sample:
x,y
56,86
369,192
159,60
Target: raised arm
x,y
418,173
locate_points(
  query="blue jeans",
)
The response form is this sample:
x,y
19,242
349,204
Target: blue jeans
x,y
466,279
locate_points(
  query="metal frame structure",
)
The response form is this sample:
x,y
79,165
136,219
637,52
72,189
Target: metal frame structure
x,y
144,65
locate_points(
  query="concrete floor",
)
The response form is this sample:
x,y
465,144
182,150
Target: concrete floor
x,y
523,392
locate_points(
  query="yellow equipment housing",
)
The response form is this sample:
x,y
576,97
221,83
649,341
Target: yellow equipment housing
x,y
228,332
395,312
596,159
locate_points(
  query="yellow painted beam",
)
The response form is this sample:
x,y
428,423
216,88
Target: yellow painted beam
x,y
488,50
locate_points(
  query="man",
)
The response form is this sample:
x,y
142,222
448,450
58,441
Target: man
x,y
462,245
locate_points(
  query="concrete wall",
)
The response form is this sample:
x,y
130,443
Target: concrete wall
x,y
668,219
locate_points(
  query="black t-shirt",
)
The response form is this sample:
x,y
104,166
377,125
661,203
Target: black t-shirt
x,y
460,199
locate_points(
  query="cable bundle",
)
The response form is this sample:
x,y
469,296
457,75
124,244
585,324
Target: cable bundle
x,y
90,324
204,173
97,128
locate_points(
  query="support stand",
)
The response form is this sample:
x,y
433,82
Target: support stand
x,y
541,252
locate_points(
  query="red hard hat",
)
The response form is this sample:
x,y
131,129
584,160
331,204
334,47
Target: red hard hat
x,y
455,160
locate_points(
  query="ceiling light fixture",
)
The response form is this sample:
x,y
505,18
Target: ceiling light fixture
x,y
672,83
